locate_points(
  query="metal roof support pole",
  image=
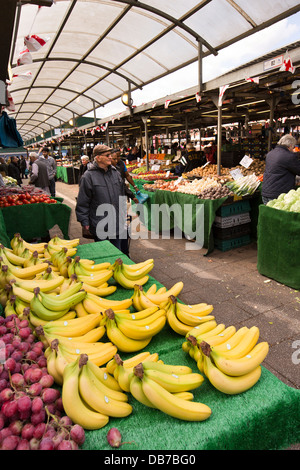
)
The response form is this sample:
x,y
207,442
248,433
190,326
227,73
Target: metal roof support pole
x,y
94,109
187,135
200,67
272,102
107,135
144,118
215,99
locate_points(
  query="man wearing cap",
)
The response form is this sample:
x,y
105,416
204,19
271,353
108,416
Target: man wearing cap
x,y
102,204
51,165
39,172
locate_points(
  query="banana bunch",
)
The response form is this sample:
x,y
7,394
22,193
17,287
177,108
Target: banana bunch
x,y
123,370
130,334
50,307
231,359
20,272
167,388
181,318
8,256
62,351
85,329
93,303
87,400
145,299
127,275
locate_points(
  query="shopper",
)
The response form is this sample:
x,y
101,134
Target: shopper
x,y
85,165
3,167
23,167
101,205
51,165
121,167
14,170
282,167
133,154
39,172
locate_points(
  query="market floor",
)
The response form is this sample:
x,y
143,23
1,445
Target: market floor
x,y
227,280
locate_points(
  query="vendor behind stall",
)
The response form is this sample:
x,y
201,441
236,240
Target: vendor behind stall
x,y
189,160
282,167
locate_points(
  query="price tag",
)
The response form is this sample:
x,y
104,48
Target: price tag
x,y
127,162
167,174
155,167
236,174
168,162
178,181
204,166
169,151
246,161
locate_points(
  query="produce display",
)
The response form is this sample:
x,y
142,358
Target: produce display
x,y
17,196
205,188
153,175
9,181
289,202
257,167
64,375
244,186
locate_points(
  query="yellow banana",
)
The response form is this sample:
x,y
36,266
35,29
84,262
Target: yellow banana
x,y
98,400
166,368
137,266
135,275
56,240
30,272
244,347
105,303
201,329
175,383
96,279
109,392
194,319
44,285
122,342
133,330
233,341
227,384
136,298
173,405
99,358
23,294
243,365
212,332
105,377
74,406
39,247
140,315
136,390
152,289
184,395
80,310
11,257
126,283
71,289
159,298
36,321
102,291
74,327
51,367
42,312
175,324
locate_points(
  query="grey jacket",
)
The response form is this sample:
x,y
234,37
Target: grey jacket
x,y
51,165
101,190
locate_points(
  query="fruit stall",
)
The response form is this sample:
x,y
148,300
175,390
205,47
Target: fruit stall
x,y
19,207
229,202
116,359
67,174
279,239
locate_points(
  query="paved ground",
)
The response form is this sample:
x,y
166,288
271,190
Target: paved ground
x,y
230,281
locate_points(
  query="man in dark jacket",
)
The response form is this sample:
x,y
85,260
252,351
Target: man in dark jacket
x,y
102,204
14,170
282,167
39,172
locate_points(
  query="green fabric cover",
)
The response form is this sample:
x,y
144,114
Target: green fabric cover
x,y
169,198
265,417
278,245
34,220
61,173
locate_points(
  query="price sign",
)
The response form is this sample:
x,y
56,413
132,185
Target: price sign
x,y
178,181
167,174
155,167
246,161
236,174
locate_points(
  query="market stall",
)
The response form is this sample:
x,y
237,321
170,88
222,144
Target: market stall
x,y
278,245
67,174
237,422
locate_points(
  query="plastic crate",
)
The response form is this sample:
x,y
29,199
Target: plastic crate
x,y
239,207
232,221
226,245
232,232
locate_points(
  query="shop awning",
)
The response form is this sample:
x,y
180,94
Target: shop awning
x,y
98,49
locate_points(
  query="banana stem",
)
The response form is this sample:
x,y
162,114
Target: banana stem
x,y
118,359
139,370
205,347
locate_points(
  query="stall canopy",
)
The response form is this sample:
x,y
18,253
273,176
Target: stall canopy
x,y
95,50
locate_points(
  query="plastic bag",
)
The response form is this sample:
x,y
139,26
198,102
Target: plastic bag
x,y
9,135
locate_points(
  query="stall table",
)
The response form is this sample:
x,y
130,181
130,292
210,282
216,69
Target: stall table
x,y
173,219
65,174
278,245
33,221
265,417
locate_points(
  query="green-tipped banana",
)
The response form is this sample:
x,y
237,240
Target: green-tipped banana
x,y
56,303
42,312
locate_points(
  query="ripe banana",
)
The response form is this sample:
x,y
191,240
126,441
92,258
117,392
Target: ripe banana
x,y
92,302
74,327
123,342
96,279
44,285
136,390
133,330
10,257
97,399
227,384
245,345
126,283
30,272
174,383
137,266
22,294
135,275
51,367
243,365
175,324
233,341
56,240
173,405
102,291
140,299
159,298
201,329
105,377
131,362
99,354
140,315
195,318
37,321
74,406
166,368
80,310
109,392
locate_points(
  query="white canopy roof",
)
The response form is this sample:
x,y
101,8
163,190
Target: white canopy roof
x,y
96,49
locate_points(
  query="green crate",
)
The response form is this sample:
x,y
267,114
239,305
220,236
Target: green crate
x,y
226,245
238,207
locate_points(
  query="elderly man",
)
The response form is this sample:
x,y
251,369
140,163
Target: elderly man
x,y
101,204
39,172
51,165
282,167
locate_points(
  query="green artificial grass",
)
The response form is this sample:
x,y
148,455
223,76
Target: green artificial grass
x,y
266,417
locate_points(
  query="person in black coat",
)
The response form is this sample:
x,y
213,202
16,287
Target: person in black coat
x,y
14,171
282,167
23,167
